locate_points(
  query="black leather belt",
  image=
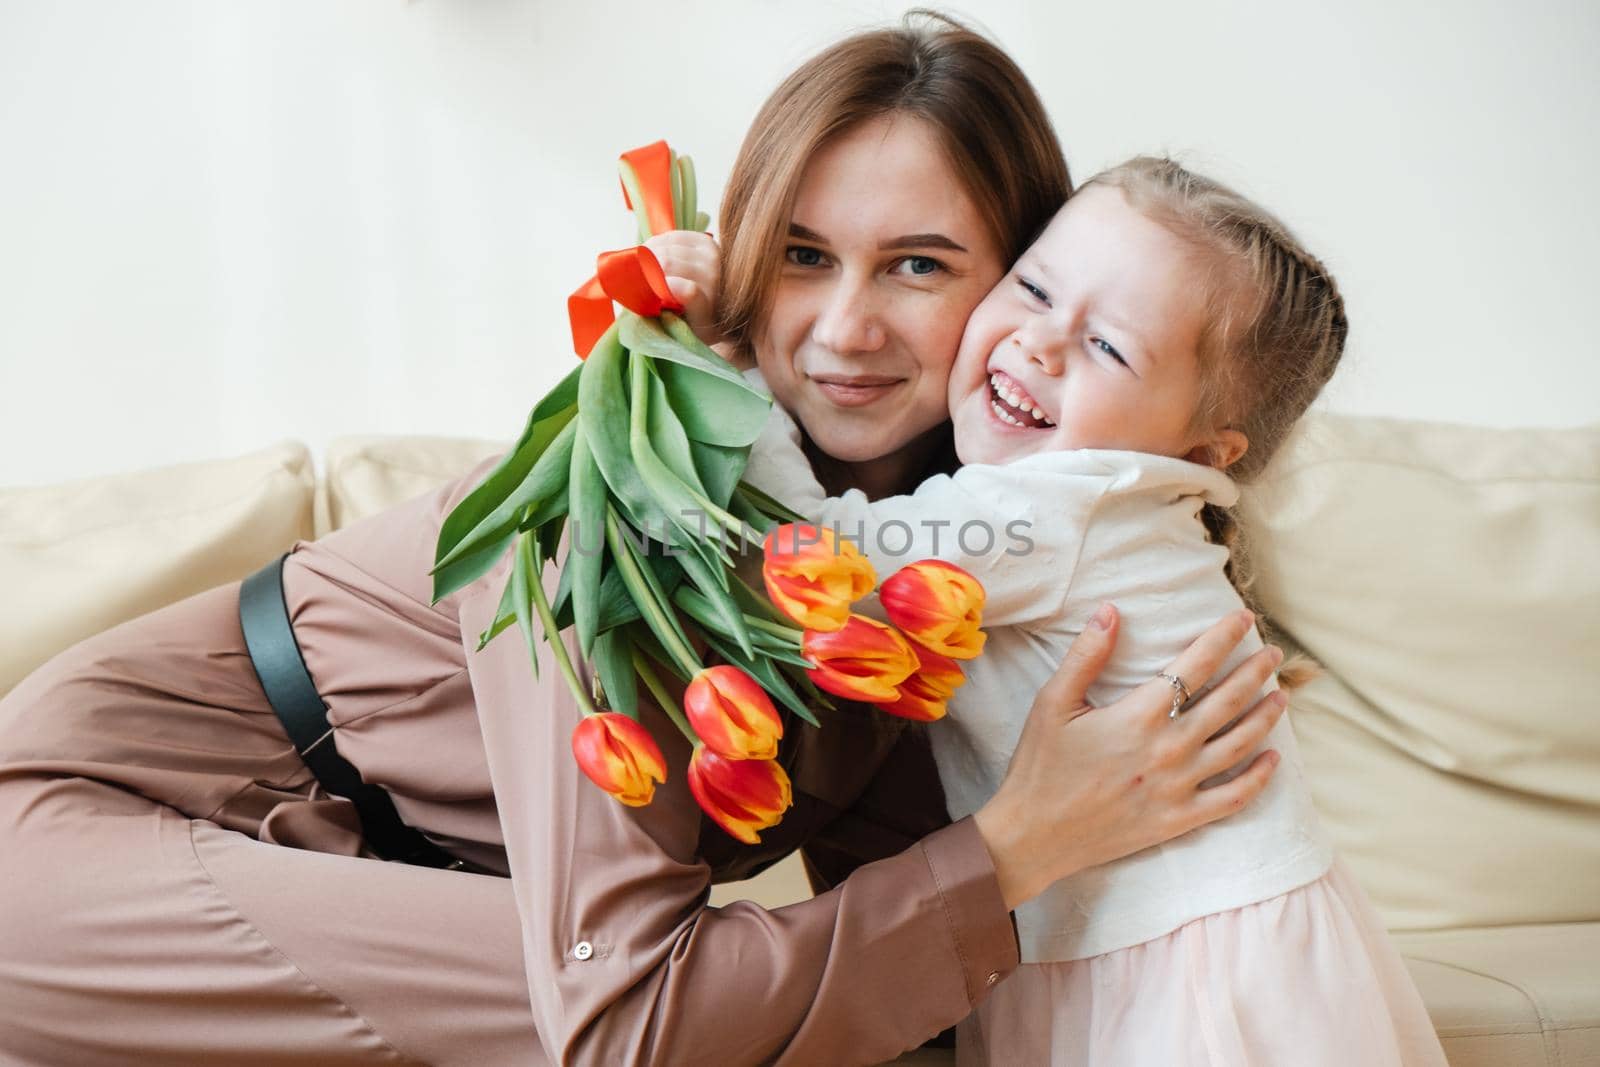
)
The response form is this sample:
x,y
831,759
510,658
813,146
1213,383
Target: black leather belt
x,y
275,654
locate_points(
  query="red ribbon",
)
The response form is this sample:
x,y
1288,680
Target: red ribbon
x,y
630,276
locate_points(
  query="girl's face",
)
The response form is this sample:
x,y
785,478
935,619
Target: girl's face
x,y
887,256
1091,341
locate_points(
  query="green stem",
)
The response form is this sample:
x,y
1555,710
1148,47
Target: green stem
x,y
646,602
789,632
652,682
558,647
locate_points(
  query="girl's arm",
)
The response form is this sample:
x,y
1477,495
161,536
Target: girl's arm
x,y
1016,528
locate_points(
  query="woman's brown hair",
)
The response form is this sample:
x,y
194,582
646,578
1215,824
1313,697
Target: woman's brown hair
x,y
994,130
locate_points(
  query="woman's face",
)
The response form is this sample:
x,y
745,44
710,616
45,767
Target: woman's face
x,y
887,256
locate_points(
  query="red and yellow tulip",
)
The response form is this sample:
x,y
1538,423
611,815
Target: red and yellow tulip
x,y
619,756
864,660
813,577
925,695
732,714
938,605
742,796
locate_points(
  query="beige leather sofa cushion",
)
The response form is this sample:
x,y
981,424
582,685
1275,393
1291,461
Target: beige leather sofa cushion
x,y
82,556
1447,577
367,474
1522,996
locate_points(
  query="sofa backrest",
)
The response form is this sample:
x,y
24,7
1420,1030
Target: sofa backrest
x,y
1448,578
82,556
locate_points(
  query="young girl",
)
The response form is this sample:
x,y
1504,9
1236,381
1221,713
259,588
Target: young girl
x,y
1162,330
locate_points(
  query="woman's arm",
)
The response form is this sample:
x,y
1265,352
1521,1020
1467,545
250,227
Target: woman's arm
x,y
625,962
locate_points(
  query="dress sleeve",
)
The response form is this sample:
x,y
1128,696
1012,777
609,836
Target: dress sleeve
x,y
1016,527
626,963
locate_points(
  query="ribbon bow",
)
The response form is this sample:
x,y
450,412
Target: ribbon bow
x,y
630,276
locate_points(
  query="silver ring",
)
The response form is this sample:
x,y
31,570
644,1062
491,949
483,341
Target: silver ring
x,y
1180,693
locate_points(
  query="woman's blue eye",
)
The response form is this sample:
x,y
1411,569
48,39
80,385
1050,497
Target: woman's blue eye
x,y
1103,345
801,256
922,265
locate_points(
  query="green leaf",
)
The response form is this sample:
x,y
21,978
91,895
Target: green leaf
x,y
712,592
550,531
770,506
713,410
613,662
504,615
666,432
523,572
469,568
644,639
630,185
586,548
754,602
688,510
543,482
680,220
814,697
545,421
691,194
616,603
605,420
714,402
739,504
650,337
719,467
648,593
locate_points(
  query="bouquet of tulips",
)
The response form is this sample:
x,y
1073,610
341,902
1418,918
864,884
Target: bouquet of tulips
x,y
635,458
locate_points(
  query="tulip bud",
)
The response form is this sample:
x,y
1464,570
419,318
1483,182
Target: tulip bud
x,y
938,605
741,796
813,577
619,756
925,694
732,714
865,660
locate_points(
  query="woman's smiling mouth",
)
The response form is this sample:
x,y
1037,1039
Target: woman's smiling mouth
x,y
851,391
1012,404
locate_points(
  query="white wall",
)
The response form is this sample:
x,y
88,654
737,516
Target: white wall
x,y
224,224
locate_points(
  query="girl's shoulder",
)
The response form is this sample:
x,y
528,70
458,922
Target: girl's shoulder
x,y
1135,473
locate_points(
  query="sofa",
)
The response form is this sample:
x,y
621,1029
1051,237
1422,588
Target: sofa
x,y
1447,578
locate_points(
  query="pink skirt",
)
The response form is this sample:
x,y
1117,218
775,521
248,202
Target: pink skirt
x,y
1309,979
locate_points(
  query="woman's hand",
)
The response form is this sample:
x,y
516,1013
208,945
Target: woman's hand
x,y
692,263
1089,785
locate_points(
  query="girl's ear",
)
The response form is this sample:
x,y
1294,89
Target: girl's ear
x,y
1222,451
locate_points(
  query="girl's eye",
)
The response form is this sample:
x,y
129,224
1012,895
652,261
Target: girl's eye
x,y
802,256
1103,345
1034,291
920,266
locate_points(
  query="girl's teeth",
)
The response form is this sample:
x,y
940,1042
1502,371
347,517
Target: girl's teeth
x,y
1015,399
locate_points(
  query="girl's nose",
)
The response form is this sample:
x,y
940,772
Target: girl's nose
x,y
1043,346
849,321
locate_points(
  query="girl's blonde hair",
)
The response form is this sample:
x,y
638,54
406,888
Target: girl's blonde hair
x,y
1275,327
985,114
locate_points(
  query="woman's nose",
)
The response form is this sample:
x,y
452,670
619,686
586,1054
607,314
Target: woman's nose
x,y
850,320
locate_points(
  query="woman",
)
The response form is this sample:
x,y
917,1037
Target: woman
x,y
137,768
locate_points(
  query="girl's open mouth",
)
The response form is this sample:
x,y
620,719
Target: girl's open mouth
x,y
1014,406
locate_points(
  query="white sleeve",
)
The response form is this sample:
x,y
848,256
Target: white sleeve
x,y
779,467
1017,528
